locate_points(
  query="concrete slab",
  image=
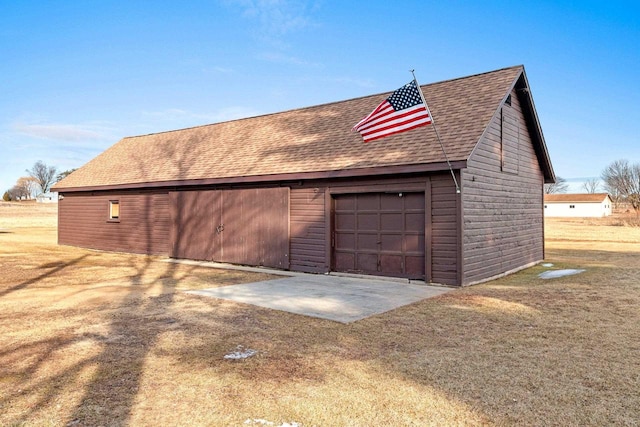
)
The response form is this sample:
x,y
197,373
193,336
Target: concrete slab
x,y
342,299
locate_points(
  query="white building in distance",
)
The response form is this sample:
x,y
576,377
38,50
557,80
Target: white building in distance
x,y
577,205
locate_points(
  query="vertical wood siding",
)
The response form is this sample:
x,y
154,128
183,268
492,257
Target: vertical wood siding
x,y
444,230
308,226
503,223
143,226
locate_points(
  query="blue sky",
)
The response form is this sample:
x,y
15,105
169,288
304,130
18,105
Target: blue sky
x,y
77,76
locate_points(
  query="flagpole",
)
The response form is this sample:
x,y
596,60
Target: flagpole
x,y
433,122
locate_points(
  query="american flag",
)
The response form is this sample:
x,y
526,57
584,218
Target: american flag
x,y
403,110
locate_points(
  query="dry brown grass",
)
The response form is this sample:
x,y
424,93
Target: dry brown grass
x,y
93,338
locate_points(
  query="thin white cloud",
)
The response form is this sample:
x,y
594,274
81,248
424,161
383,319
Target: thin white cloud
x,y
222,70
277,17
273,22
61,132
352,82
179,118
286,59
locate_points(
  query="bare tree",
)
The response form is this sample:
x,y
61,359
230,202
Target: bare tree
x,y
43,174
18,193
560,186
27,187
622,181
591,185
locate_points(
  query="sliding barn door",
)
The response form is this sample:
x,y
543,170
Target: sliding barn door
x,y
249,226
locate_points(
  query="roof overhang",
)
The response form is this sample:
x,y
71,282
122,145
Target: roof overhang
x,y
535,130
262,179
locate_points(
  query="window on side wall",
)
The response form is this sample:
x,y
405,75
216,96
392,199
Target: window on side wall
x,y
114,210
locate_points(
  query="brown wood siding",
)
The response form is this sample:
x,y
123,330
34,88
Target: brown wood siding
x,y
305,227
308,230
444,230
503,221
143,225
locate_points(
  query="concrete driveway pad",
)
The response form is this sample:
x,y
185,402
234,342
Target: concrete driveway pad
x,y
342,299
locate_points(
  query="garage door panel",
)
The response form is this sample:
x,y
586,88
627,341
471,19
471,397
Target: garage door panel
x,y
367,241
345,203
414,244
368,221
391,242
345,240
368,202
414,265
391,221
367,262
389,201
391,264
345,221
387,236
345,261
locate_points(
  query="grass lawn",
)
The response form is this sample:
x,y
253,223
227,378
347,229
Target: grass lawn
x,y
93,338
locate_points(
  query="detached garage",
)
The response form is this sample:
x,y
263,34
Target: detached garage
x,y
298,190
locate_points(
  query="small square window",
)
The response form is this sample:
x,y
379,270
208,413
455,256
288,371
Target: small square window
x,y
114,209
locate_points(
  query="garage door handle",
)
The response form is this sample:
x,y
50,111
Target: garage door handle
x,y
220,228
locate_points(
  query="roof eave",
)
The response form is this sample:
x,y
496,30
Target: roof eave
x,y
523,92
262,179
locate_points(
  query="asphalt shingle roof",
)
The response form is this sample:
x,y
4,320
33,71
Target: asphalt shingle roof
x,y
312,139
575,198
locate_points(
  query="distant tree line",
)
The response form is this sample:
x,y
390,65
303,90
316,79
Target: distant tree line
x,y
39,180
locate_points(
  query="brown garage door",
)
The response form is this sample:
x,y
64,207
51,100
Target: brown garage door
x,y
380,234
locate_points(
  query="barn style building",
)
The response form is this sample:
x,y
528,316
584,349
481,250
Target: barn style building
x,y
298,190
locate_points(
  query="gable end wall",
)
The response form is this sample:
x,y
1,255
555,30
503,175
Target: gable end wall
x,y
503,211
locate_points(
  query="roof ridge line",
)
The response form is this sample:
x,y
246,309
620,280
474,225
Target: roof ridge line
x,y
316,105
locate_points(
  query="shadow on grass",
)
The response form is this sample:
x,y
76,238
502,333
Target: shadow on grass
x,y
53,269
132,334
45,371
518,350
